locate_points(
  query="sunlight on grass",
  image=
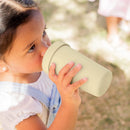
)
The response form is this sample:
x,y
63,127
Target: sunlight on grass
x,y
117,55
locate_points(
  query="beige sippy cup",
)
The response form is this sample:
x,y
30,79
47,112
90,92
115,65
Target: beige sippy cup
x,y
99,78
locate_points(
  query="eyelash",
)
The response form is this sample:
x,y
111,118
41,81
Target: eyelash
x,y
44,33
32,48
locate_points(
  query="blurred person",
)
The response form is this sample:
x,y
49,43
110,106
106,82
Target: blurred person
x,y
115,12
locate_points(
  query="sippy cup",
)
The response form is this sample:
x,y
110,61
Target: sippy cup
x,y
99,78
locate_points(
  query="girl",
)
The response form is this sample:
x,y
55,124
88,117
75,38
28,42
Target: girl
x,y
29,100
115,11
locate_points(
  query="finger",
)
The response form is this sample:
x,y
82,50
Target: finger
x,y
78,84
72,73
52,74
65,70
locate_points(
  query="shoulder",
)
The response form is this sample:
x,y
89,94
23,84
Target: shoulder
x,y
16,107
9,100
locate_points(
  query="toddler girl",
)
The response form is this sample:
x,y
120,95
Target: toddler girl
x,y
29,99
115,11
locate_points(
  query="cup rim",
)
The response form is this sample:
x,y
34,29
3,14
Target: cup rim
x,y
50,53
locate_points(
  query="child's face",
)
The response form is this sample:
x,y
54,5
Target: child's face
x,y
29,46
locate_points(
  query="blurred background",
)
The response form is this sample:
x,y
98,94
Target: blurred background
x,y
78,23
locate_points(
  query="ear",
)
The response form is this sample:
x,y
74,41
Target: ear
x,y
3,66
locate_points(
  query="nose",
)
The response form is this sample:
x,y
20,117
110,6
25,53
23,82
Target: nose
x,y
44,48
45,44
48,42
43,51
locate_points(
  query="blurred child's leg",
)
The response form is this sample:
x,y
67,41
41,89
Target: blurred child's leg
x,y
112,27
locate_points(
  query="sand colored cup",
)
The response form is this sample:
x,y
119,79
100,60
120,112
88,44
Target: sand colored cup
x,y
99,78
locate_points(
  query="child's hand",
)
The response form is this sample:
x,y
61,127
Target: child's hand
x,y
69,92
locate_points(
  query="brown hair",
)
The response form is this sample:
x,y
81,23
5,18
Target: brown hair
x,y
13,13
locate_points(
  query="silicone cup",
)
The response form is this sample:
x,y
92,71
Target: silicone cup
x,y
99,78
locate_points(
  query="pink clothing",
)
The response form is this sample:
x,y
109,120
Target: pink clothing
x,y
115,8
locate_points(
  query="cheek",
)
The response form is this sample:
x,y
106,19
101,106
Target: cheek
x,y
24,64
30,64
36,61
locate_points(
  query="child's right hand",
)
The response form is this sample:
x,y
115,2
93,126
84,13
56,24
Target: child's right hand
x,y
69,92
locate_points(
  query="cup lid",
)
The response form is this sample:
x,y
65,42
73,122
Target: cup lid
x,y
50,53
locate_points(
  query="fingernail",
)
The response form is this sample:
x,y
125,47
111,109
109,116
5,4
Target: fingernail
x,y
85,79
79,65
53,64
71,63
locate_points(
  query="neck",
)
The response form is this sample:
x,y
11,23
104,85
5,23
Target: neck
x,y
19,78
